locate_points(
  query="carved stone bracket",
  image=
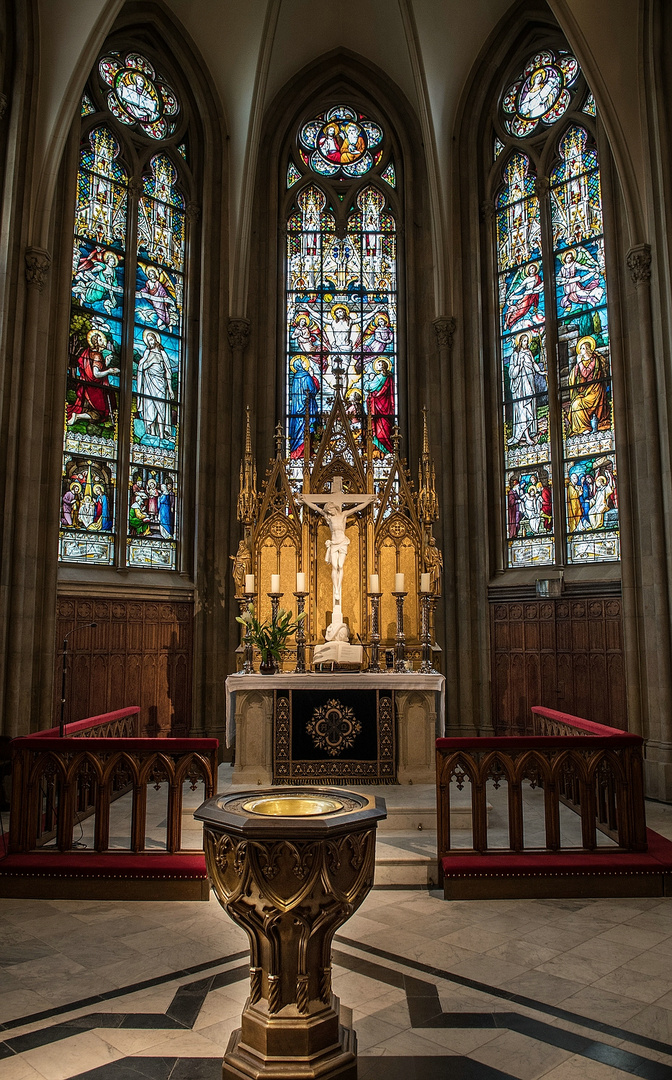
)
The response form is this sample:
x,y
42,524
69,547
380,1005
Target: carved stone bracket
x,y
542,186
4,102
135,188
239,333
487,211
38,262
193,212
445,331
639,264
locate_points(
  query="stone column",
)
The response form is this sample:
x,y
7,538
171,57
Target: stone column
x,y
30,613
645,578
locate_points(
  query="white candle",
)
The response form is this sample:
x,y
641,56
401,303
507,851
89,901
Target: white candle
x,y
249,583
300,582
275,582
424,582
374,583
399,583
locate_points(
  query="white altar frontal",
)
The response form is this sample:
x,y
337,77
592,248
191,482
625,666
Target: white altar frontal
x,y
334,728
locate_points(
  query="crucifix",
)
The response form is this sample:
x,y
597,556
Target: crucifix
x,y
335,507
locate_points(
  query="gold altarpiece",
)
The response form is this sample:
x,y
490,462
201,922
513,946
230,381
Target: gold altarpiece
x,y
393,535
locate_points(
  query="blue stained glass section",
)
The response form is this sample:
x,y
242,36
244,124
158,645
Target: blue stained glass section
x,y
580,278
158,297
98,278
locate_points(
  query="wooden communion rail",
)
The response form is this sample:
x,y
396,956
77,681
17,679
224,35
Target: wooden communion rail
x,y
594,770
56,782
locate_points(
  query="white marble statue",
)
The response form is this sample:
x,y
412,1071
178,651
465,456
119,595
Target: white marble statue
x,y
335,507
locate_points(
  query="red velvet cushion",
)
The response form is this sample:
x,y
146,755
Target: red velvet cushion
x,y
94,864
658,859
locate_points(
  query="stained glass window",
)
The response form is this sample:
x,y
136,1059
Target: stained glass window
x,y
137,97
590,106
121,484
558,432
541,93
342,288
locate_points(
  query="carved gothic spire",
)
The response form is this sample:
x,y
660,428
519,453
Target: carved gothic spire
x,y
428,503
247,497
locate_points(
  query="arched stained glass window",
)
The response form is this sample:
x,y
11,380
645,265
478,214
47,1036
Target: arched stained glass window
x,y
341,282
561,503
121,477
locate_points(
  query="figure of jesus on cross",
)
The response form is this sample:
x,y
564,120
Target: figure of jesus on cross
x,y
332,507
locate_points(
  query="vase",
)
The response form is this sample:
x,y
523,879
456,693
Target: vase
x,y
267,667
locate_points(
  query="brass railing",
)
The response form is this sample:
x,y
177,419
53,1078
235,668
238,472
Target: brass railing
x,y
58,782
597,771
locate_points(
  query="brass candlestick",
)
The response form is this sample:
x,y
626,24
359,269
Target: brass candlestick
x,y
248,666
426,667
399,648
300,635
374,597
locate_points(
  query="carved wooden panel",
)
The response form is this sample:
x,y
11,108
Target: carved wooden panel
x,y
563,654
139,653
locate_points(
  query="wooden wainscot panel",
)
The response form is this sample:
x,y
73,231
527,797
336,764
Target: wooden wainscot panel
x,y
140,652
564,654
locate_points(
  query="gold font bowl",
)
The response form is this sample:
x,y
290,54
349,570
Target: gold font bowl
x,y
292,806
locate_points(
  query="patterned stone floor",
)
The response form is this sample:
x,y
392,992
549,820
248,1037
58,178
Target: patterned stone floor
x,y
561,989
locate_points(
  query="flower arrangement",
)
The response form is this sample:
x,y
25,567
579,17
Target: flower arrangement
x,y
270,637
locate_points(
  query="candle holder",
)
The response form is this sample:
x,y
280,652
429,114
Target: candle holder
x,y
399,648
374,597
248,666
300,668
275,598
426,667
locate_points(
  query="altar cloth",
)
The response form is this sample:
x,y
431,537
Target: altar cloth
x,y
335,680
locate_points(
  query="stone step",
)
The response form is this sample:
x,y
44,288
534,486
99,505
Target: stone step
x,y
405,858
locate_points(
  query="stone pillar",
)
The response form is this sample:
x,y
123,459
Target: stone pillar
x,y
646,582
30,613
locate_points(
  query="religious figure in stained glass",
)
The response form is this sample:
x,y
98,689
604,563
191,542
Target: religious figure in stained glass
x,y
524,298
155,392
92,400
137,96
96,282
580,279
304,387
588,403
341,139
541,94
524,373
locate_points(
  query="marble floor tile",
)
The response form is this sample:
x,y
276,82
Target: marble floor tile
x,y
525,1058
639,985
578,968
603,1005
83,1052
541,986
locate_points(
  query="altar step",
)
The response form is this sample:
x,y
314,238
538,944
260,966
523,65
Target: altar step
x,y
405,859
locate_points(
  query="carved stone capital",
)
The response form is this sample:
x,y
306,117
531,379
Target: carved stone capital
x,y
135,188
38,262
445,331
239,333
193,212
639,264
487,211
4,102
542,186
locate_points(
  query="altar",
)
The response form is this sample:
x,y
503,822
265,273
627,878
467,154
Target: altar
x,y
334,727
337,568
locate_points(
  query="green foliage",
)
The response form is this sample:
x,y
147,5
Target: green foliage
x,y
270,637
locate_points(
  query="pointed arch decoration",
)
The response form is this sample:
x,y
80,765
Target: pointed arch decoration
x,y
341,282
121,482
558,440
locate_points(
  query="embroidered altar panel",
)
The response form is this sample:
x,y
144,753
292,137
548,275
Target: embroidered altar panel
x,y
334,737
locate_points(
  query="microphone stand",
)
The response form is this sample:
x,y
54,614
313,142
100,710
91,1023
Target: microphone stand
x,y
61,726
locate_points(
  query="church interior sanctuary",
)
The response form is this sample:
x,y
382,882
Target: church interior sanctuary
x,y
336,572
